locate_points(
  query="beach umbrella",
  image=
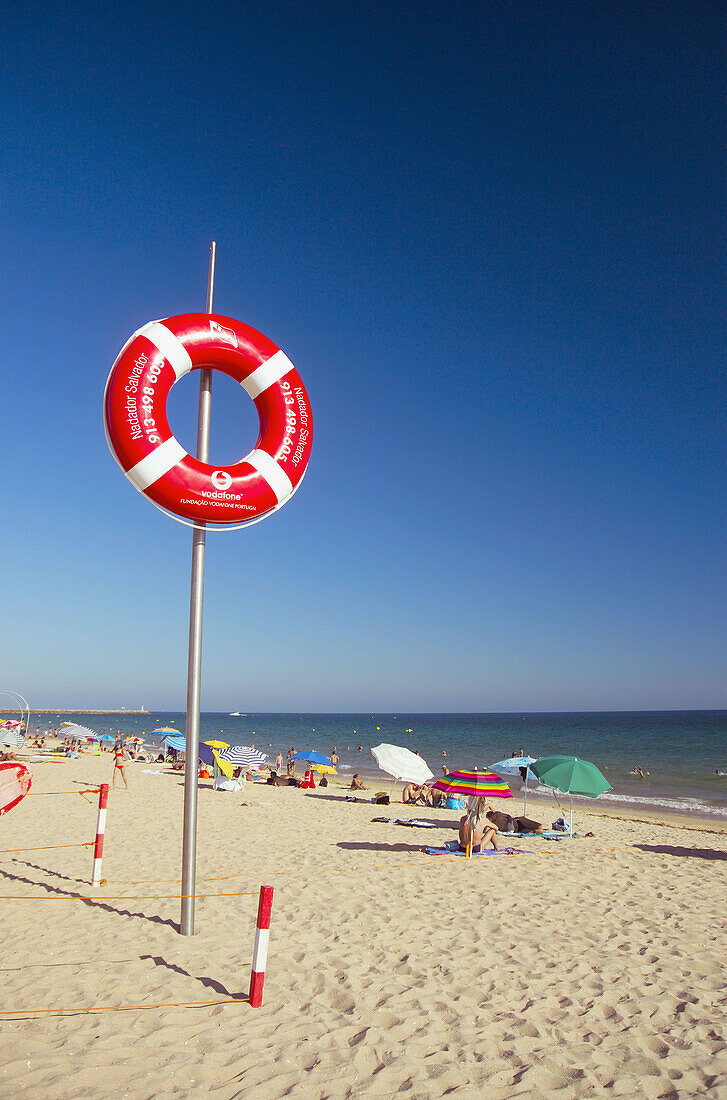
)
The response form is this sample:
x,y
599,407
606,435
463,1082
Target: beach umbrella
x,y
473,784
165,729
11,737
514,765
214,758
174,741
402,763
223,766
312,757
324,769
243,756
207,754
571,775
75,732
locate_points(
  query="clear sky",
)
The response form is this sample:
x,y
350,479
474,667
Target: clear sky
x,y
490,236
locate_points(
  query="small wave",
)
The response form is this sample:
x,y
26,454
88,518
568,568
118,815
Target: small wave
x,y
693,805
684,804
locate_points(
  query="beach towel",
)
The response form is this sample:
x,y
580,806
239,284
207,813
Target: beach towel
x,y
412,822
451,848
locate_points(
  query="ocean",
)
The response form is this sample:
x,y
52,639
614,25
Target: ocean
x,y
682,750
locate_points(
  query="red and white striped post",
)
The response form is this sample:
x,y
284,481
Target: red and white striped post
x,y
103,797
260,953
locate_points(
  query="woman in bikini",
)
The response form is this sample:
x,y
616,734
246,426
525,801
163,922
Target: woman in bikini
x,y
119,761
475,827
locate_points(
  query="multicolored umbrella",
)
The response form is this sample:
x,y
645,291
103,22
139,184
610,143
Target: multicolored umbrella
x,y
470,783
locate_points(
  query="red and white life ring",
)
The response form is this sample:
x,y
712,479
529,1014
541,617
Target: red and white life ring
x,y
139,436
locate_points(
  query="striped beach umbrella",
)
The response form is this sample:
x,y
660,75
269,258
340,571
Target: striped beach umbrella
x,y
470,783
75,732
242,756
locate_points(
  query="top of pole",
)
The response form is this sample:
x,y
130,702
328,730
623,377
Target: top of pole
x,y
211,276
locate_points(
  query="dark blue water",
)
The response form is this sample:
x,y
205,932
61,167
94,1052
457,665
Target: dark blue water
x,y
681,749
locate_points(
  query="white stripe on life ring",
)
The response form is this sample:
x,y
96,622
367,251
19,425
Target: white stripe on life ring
x,y
171,348
161,460
268,469
272,370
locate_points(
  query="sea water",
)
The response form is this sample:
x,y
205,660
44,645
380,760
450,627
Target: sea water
x,y
682,750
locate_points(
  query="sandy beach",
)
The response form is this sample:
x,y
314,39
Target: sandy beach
x,y
582,967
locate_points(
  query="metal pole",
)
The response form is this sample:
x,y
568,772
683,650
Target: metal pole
x,y
194,665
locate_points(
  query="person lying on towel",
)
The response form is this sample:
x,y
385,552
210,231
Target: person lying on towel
x,y
507,824
474,827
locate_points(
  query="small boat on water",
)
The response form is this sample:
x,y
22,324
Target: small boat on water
x,y
234,714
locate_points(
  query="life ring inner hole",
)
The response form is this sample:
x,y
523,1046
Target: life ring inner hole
x,y
234,421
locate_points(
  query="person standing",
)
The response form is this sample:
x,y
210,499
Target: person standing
x,y
291,761
333,758
119,760
279,763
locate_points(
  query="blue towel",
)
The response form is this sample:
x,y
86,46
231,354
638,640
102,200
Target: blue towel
x,y
451,848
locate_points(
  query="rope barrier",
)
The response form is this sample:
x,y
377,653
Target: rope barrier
x,y
50,794
118,1008
122,897
47,847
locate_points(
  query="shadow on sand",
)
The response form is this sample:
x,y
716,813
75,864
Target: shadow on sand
x,y
91,902
678,850
364,846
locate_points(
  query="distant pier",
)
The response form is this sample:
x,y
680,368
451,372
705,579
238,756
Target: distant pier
x,y
76,710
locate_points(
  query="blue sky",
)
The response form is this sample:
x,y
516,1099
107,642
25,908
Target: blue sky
x,y
490,236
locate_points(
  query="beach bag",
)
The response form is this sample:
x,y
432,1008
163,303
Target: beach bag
x,y
381,798
559,826
454,804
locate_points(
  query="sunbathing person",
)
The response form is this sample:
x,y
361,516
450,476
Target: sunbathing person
x,y
411,794
507,824
474,827
356,784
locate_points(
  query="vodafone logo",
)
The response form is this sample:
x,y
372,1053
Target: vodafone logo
x,y
221,480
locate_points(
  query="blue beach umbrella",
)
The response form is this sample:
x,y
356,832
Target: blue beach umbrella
x,y
514,766
207,754
313,757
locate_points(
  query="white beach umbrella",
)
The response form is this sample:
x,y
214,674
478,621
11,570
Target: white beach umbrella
x,y
75,732
402,763
11,737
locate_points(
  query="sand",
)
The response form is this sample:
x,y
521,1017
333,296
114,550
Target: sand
x,y
589,966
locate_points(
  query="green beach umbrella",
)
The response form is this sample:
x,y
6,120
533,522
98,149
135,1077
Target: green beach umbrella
x,y
571,775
